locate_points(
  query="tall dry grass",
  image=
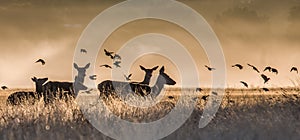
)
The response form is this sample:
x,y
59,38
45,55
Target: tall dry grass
x,y
243,114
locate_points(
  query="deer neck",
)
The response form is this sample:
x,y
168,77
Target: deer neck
x,y
146,80
159,85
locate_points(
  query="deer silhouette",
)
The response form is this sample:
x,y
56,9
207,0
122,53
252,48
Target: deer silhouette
x,y
57,90
148,74
144,90
53,89
79,79
18,98
109,87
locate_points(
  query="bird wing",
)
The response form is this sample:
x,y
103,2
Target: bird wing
x,y
256,69
244,83
40,60
106,51
294,69
264,77
240,66
266,68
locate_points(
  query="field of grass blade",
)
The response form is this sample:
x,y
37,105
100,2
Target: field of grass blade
x,y
243,114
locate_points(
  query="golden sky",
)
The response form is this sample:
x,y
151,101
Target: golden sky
x,y
260,32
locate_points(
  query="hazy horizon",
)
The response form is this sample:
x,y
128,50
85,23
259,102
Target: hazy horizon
x,y
262,33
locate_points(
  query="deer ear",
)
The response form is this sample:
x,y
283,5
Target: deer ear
x,y
87,65
33,79
142,67
162,70
155,68
75,66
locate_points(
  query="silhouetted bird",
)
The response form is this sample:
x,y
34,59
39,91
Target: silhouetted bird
x,y
209,68
244,83
198,89
204,97
274,70
106,66
170,97
93,77
83,51
268,68
4,87
127,77
254,68
116,56
266,79
107,53
117,64
294,69
238,65
265,89
41,61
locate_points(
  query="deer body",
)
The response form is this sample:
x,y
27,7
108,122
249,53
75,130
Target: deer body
x,y
109,87
54,89
21,97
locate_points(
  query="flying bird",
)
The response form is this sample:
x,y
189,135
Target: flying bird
x,y
294,69
274,71
266,79
41,61
83,51
107,53
265,89
204,97
254,68
238,65
128,77
93,77
199,89
171,97
244,83
106,66
4,87
209,68
116,56
268,69
117,64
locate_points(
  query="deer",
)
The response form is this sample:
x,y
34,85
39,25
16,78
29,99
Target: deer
x,y
106,86
18,98
57,90
144,90
65,90
79,79
109,87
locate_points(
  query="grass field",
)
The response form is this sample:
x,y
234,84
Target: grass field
x,y
244,115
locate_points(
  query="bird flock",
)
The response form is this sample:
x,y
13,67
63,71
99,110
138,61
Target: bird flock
x,y
263,76
43,88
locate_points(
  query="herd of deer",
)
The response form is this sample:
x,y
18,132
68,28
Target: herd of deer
x,y
53,90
